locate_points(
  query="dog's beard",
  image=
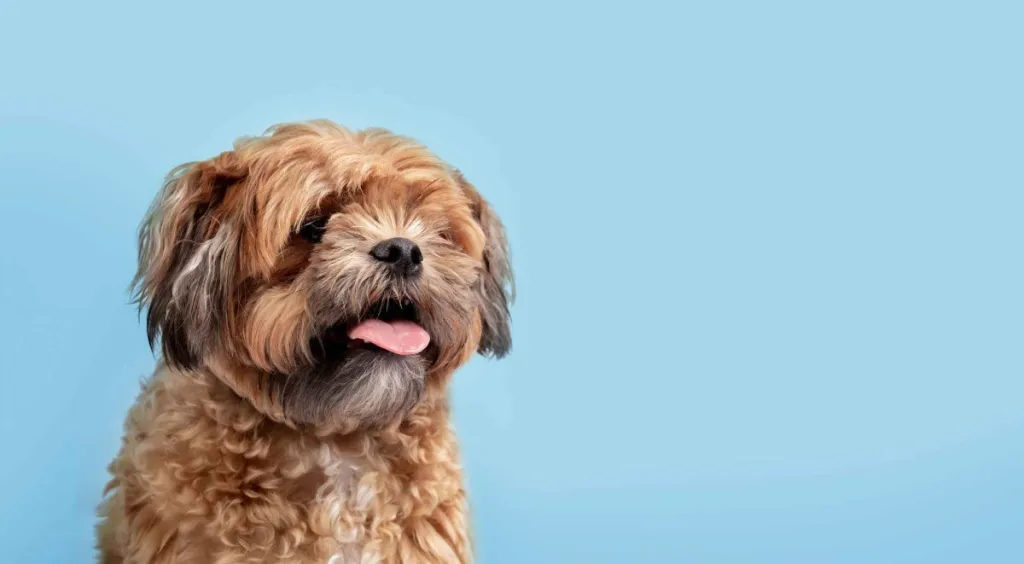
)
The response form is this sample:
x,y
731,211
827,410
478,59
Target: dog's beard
x,y
364,388
358,378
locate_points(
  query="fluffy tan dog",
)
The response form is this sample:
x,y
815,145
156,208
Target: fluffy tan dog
x,y
313,291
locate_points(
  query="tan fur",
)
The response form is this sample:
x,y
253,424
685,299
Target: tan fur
x,y
228,456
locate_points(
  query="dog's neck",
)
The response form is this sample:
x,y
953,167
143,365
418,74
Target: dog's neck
x,y
250,399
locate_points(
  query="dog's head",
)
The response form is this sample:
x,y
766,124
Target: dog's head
x,y
331,276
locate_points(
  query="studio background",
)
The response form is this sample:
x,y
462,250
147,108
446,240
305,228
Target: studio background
x,y
768,254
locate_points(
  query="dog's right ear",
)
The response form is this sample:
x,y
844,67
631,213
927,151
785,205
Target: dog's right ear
x,y
185,246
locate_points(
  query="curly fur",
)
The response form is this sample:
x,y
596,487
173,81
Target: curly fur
x,y
249,444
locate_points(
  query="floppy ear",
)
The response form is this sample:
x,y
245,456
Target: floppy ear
x,y
187,256
496,286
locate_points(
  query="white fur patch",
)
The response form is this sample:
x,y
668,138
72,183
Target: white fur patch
x,y
334,498
209,252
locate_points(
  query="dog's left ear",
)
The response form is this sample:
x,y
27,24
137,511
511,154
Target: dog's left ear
x,y
496,287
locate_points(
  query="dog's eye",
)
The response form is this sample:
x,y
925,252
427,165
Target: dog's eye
x,y
313,230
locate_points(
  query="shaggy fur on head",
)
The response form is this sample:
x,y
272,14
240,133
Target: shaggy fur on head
x,y
266,434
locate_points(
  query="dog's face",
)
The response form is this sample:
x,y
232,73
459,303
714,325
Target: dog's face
x,y
330,275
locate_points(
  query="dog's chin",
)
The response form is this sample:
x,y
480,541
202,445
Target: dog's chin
x,y
355,383
363,388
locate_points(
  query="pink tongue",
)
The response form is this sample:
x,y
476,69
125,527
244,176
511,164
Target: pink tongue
x,y
399,337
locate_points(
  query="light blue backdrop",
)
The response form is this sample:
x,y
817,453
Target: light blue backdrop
x,y
769,257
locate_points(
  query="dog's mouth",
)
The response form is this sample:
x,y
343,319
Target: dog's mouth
x,y
390,326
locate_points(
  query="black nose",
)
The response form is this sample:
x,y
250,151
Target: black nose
x,y
402,254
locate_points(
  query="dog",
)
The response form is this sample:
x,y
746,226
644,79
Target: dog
x,y
312,292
